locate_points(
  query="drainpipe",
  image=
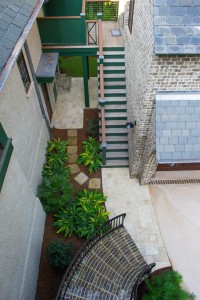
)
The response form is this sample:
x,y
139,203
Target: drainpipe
x,y
37,88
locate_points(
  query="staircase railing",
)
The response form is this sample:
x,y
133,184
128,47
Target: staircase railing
x,y
99,234
102,99
92,32
144,273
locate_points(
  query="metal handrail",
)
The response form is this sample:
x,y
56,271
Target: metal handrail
x,y
145,272
98,235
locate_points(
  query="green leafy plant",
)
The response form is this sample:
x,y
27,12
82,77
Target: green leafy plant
x,y
56,156
59,254
91,155
93,128
55,192
84,216
167,286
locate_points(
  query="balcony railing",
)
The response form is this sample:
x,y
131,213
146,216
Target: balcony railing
x,y
109,10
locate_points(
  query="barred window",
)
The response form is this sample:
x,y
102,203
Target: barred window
x,y
130,17
23,71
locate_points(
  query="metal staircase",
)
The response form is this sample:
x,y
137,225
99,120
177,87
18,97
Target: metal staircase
x,y
115,107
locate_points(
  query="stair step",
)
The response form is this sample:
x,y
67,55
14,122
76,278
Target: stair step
x,y
114,68
115,91
105,53
115,130
110,98
116,147
113,60
115,49
115,106
117,139
116,155
115,122
114,83
114,76
116,163
116,115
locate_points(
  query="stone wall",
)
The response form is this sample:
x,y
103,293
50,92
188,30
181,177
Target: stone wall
x,y
22,218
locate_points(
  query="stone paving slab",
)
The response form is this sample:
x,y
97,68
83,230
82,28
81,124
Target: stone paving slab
x,y
81,178
72,140
94,183
125,195
74,168
72,149
73,158
72,132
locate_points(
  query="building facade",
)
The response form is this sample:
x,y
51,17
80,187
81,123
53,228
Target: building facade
x,y
161,42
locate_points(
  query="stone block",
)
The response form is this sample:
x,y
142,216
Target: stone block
x,y
161,49
158,40
192,140
189,49
182,140
195,132
173,20
171,125
195,155
159,20
173,140
169,39
160,148
169,148
163,30
191,11
196,147
185,132
181,125
178,30
189,148
94,183
190,125
81,178
163,10
167,133
72,140
183,40
180,110
74,168
164,141
161,125
178,11
175,103
176,132
72,149
166,156
180,148
72,132
176,155
185,2
72,158
175,49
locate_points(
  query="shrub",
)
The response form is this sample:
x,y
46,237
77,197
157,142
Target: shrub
x,y
93,128
59,254
166,286
84,216
55,192
56,156
90,156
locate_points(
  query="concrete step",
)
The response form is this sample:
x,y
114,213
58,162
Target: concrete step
x,y
115,122
116,154
114,68
112,53
114,91
116,114
114,83
114,76
116,147
116,164
115,106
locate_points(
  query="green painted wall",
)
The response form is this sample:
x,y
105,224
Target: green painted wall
x,y
66,32
63,8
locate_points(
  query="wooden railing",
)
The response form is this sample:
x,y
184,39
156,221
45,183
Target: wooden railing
x,y
102,99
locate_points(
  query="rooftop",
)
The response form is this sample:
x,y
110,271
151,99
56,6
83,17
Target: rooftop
x,y
14,17
177,26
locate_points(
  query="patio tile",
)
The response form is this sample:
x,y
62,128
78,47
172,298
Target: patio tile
x,y
74,168
81,178
94,183
72,132
72,149
72,140
72,158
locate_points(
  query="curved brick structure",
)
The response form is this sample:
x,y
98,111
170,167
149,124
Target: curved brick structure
x,y
108,271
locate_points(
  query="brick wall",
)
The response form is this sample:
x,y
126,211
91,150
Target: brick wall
x,y
139,51
146,73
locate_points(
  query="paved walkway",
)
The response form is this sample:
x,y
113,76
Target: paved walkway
x,y
126,195
70,105
178,212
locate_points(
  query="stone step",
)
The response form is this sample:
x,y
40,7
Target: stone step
x,y
114,83
114,76
116,147
115,114
110,99
114,68
114,91
116,164
115,122
112,53
117,155
115,106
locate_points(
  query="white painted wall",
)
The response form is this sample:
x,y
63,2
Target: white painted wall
x,y
22,218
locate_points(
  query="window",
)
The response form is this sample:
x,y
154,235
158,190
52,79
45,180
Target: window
x,y
24,71
6,149
130,17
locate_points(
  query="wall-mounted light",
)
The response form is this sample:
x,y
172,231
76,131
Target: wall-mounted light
x,y
130,125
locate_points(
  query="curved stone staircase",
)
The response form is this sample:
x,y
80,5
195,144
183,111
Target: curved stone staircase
x,y
108,267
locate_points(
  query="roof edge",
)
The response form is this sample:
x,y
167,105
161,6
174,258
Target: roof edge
x,y
10,63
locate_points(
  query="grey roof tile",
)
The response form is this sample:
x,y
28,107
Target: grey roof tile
x,y
174,22
14,16
178,129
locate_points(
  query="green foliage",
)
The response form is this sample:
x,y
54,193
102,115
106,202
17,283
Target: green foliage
x,y
59,254
167,286
56,156
72,66
91,155
84,216
93,128
55,192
